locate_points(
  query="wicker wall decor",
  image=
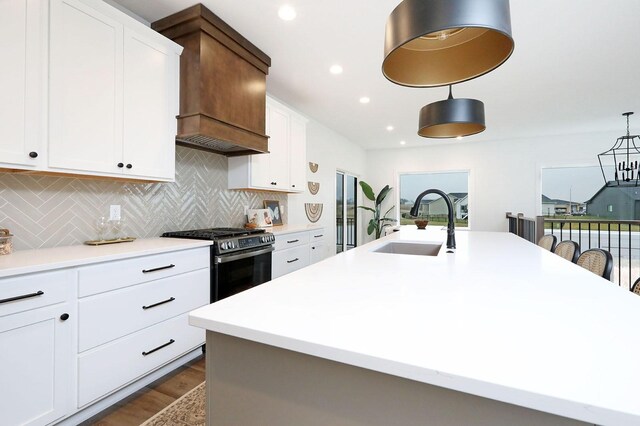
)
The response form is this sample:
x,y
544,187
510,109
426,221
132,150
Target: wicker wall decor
x,y
314,187
313,167
313,211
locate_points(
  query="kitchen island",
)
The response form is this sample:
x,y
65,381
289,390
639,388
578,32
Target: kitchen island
x,y
500,332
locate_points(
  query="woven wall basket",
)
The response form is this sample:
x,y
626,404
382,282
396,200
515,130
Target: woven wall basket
x,y
313,211
314,187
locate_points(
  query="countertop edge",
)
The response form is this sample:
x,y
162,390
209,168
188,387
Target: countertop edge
x,y
60,260
535,401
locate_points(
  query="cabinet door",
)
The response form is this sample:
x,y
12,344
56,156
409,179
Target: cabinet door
x,y
85,89
21,71
260,176
278,148
150,95
298,155
36,366
317,253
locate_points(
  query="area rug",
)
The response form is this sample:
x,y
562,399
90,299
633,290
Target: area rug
x,y
188,410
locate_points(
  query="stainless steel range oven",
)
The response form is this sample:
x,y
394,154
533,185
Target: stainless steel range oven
x,y
240,258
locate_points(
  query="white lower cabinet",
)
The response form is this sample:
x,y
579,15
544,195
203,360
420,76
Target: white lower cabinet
x,y
37,323
297,249
70,337
116,364
128,331
317,246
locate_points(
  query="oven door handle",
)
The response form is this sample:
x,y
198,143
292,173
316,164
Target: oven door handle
x,y
233,257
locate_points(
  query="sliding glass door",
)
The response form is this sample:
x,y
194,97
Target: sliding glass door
x,y
346,211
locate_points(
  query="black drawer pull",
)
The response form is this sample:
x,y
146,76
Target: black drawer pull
x,y
292,241
171,299
24,296
146,271
318,236
294,260
158,348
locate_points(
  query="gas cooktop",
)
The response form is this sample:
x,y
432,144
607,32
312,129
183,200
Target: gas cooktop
x,y
228,240
212,233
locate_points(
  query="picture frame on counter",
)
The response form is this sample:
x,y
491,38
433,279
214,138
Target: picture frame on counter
x,y
274,209
260,217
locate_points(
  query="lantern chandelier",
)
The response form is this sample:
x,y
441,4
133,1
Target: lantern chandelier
x,y
624,156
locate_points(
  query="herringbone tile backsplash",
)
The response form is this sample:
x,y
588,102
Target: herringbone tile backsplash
x,y
45,211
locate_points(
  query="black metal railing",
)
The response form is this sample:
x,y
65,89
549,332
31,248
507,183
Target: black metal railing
x,y
527,228
350,235
621,238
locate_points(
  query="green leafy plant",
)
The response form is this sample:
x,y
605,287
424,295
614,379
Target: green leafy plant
x,y
379,221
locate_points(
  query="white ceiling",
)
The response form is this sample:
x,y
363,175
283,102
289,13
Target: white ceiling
x,y
575,68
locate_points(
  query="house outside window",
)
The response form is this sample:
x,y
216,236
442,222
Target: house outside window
x,y
610,208
433,207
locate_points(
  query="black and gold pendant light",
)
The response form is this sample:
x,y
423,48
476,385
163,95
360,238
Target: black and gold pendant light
x,y
451,118
431,43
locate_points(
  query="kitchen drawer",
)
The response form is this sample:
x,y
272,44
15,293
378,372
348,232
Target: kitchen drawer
x,y
286,261
123,273
109,316
26,292
287,241
316,235
118,363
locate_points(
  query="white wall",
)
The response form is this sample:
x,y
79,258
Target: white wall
x,y
503,175
331,152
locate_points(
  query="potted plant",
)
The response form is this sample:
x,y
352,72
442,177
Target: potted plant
x,y
379,221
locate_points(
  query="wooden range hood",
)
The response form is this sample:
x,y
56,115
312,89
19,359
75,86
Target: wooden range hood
x,y
223,84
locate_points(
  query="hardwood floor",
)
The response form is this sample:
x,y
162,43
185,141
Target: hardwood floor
x,y
142,405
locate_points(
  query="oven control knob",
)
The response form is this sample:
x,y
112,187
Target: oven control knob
x,y
262,239
224,246
232,244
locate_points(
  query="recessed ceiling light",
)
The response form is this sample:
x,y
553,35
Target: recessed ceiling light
x,y
402,142
390,128
459,138
287,12
335,69
364,100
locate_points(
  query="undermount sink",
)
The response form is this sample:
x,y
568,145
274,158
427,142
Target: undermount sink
x,y
413,248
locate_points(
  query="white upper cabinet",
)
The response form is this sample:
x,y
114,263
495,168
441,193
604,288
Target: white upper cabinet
x,y
86,89
283,168
298,154
22,74
114,93
112,86
151,88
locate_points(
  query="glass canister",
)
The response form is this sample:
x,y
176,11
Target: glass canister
x,y
6,243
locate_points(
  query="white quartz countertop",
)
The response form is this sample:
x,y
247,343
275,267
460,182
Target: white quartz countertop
x,y
500,318
28,261
290,229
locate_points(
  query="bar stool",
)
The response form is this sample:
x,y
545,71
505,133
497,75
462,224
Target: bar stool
x,y
569,250
635,288
598,261
548,242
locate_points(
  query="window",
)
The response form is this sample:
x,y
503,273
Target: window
x,y
580,191
433,207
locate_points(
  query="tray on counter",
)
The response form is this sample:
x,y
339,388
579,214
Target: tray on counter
x,y
113,241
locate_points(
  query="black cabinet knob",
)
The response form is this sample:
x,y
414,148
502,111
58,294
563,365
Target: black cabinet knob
x,y
64,317
129,166
293,186
33,154
121,165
